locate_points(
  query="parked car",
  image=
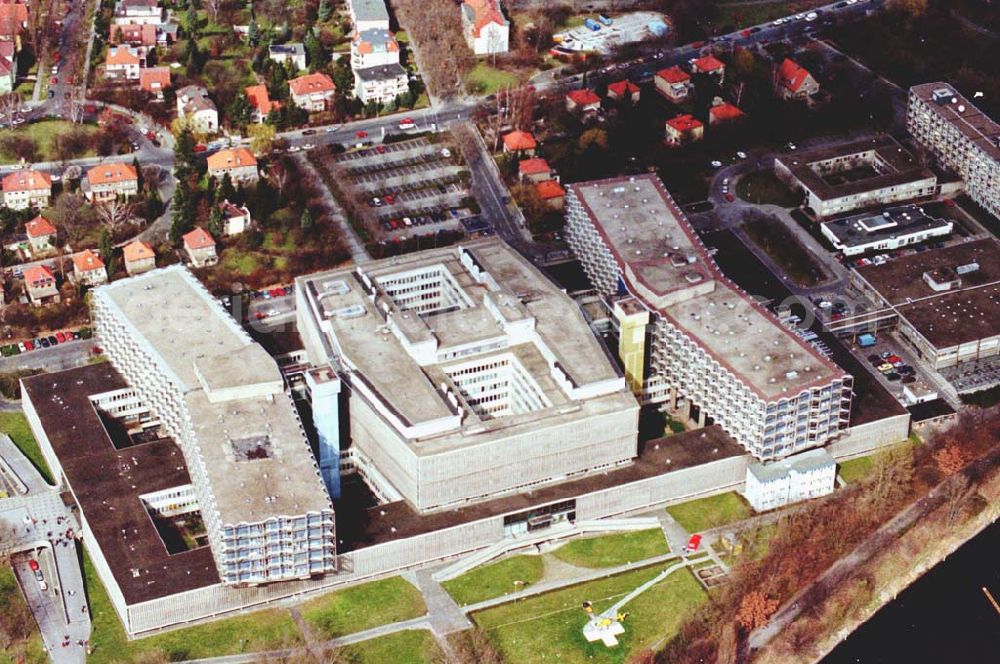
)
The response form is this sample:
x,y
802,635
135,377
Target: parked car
x,y
29,345
361,134
33,565
52,340
308,132
200,147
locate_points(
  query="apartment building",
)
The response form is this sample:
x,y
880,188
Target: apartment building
x,y
199,245
26,189
796,478
794,82
471,375
222,398
141,12
688,337
109,181
378,76
855,175
683,129
41,235
368,14
960,136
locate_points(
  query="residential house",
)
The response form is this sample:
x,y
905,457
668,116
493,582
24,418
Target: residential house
x,y
138,11
155,80
683,129
552,193
583,101
41,235
372,48
107,182
139,257
794,82
194,103
8,67
199,246
25,189
368,14
312,92
260,102
673,83
723,112
238,163
486,29
520,142
88,269
13,22
123,63
535,169
293,52
381,84
235,218
40,284
709,65
139,35
623,90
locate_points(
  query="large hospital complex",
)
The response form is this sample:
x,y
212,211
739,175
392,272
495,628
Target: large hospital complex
x,y
463,392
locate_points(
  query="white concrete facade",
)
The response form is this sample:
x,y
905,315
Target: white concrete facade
x,y
796,478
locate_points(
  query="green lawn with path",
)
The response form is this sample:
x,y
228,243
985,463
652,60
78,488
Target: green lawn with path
x,y
414,646
550,627
856,469
495,579
698,515
486,80
268,629
27,648
613,550
762,187
362,607
43,133
16,426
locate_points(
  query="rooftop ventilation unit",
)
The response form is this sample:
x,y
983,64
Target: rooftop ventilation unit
x,y
967,268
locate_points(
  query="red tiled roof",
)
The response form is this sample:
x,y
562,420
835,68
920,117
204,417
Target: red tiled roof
x,y
791,75
234,158
684,123
39,227
622,88
134,33
87,260
199,238
485,12
673,75
38,273
111,173
12,19
725,111
708,63
154,78
311,83
259,99
584,97
533,166
550,189
27,181
121,55
519,140
137,250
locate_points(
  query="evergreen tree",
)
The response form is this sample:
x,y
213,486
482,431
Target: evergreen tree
x,y
106,248
253,33
314,49
226,191
141,181
184,150
239,112
306,220
191,22
215,221
325,10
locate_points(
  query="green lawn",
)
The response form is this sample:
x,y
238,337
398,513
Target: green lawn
x,y
415,646
42,133
613,550
16,426
550,627
268,629
856,469
496,579
362,607
486,80
748,14
704,513
25,645
762,187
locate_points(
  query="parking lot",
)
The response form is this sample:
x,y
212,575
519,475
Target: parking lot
x,y
896,368
414,184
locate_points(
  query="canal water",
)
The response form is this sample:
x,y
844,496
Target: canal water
x,y
943,618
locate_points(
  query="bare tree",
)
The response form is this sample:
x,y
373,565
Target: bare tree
x,y
117,213
213,6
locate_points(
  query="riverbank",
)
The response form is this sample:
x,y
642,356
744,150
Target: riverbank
x,y
877,583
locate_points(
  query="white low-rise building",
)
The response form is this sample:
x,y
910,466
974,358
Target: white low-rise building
x,y
368,14
381,84
807,475
194,104
486,29
885,231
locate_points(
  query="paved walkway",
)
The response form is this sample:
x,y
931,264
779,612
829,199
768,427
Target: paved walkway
x,y
444,614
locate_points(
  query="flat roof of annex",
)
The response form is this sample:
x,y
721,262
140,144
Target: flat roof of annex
x,y
651,239
356,329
